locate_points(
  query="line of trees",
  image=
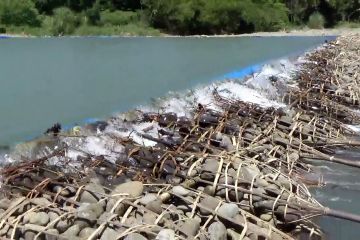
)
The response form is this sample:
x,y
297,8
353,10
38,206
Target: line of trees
x,y
178,16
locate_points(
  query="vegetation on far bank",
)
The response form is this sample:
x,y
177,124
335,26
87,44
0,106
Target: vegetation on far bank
x,y
180,17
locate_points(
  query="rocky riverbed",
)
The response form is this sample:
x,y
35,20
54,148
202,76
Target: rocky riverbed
x,y
227,169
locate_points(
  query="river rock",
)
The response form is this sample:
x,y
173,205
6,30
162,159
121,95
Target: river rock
x,y
209,169
61,191
228,210
52,234
227,143
166,234
41,201
109,234
148,198
71,232
86,232
217,231
63,225
135,236
5,203
179,190
266,204
190,227
39,218
208,202
258,190
149,218
249,172
53,216
266,217
120,208
29,235
131,189
155,206
93,194
233,235
96,208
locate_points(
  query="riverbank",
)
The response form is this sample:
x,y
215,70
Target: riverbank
x,y
296,32
231,164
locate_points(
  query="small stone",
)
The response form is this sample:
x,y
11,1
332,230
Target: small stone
x,y
226,143
53,216
52,234
155,206
104,217
61,191
149,218
88,213
28,216
148,198
209,190
86,232
217,231
109,234
62,225
179,190
233,235
29,235
228,210
249,172
33,227
255,197
166,234
93,194
208,202
131,189
266,204
41,201
209,169
71,232
39,218
5,203
262,183
266,217
120,208
135,236
174,180
190,227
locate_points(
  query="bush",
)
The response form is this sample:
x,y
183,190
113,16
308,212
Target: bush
x,y
2,29
118,18
18,12
64,22
316,21
93,15
216,16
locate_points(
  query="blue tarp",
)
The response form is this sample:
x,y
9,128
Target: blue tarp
x,y
241,73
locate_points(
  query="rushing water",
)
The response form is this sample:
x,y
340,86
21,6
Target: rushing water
x,y
66,80
70,79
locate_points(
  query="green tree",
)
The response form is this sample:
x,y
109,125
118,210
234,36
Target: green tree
x,y
346,8
19,12
64,22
